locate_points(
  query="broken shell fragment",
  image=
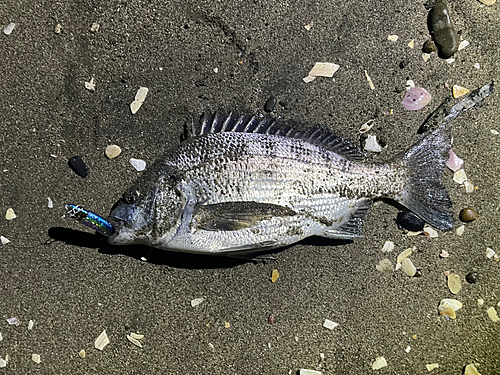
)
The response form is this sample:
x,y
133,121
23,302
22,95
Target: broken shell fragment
x,y
379,363
460,177
372,144
454,162
452,303
384,265
134,341
329,324
492,313
469,186
416,98
459,91
140,96
408,267
10,214
471,370
36,358
101,341
323,69
449,312
4,240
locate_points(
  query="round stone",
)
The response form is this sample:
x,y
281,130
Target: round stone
x,y
409,221
442,30
468,214
112,151
270,103
472,277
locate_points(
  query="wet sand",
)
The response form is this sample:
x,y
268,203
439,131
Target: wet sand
x,y
73,286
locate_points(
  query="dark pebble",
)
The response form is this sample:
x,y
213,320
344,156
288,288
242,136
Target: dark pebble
x,y
270,103
468,214
472,277
409,221
78,166
442,30
429,47
418,273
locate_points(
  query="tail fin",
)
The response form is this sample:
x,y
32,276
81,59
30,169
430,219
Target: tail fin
x,y
424,193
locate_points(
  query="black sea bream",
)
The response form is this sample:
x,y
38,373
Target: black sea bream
x,y
249,183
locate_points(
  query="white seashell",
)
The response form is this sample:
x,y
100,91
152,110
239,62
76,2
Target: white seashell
x,y
372,144
138,164
469,186
460,230
460,177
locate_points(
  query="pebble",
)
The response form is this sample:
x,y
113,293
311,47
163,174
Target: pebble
x,y
454,283
431,366
195,302
112,151
36,358
8,29
490,253
471,370
459,176
270,104
379,363
10,215
469,186
4,240
408,267
488,2
388,247
409,221
275,275
442,30
138,164
468,214
472,277
50,204
82,353
429,46
78,166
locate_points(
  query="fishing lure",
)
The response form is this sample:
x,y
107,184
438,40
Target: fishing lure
x,y
89,219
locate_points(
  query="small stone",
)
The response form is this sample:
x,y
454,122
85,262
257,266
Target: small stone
x,y
31,323
448,312
477,66
3,362
471,369
384,265
454,283
429,47
494,132
468,214
492,314
101,341
274,276
480,302
392,38
431,366
448,302
82,353
442,30
409,221
95,27
270,104
408,268
469,186
58,28
138,164
329,324
8,29
459,176
227,324
13,321
463,44
488,2
10,215
36,358
4,240
78,166
195,302
472,277
112,151
379,363
418,273
460,230
459,91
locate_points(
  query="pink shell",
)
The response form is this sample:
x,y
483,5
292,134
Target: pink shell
x,y
454,162
416,98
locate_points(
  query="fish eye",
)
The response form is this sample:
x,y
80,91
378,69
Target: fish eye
x,y
129,197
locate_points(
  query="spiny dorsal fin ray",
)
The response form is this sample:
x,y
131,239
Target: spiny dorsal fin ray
x,y
219,122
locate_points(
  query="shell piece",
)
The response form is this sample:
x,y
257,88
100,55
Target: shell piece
x,y
452,303
471,370
101,341
140,96
366,126
469,186
392,38
384,265
275,275
492,313
8,29
459,91
460,230
4,240
454,162
388,247
408,267
449,312
329,324
416,98
372,144
379,363
138,164
431,366
10,214
36,358
323,69
82,353
460,177
195,302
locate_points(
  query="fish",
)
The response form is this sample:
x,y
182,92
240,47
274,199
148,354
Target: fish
x,y
250,183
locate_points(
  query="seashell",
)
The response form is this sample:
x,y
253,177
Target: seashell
x,y
416,98
454,162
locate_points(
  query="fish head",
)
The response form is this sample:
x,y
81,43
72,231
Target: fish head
x,y
147,214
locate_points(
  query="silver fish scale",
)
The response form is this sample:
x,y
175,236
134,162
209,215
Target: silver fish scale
x,y
232,167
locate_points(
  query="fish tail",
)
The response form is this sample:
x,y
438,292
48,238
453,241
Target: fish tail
x,y
424,193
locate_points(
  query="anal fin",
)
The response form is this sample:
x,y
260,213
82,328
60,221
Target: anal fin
x,y
353,228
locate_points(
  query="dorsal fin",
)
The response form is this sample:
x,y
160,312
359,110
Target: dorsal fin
x,y
219,122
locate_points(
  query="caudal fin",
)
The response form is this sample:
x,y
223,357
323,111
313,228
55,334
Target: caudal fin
x,y
424,193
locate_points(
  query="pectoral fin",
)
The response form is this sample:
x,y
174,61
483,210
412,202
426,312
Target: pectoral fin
x,y
232,216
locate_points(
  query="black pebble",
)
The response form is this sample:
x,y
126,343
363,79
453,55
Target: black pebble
x,y
418,273
442,30
409,221
270,103
472,277
78,166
